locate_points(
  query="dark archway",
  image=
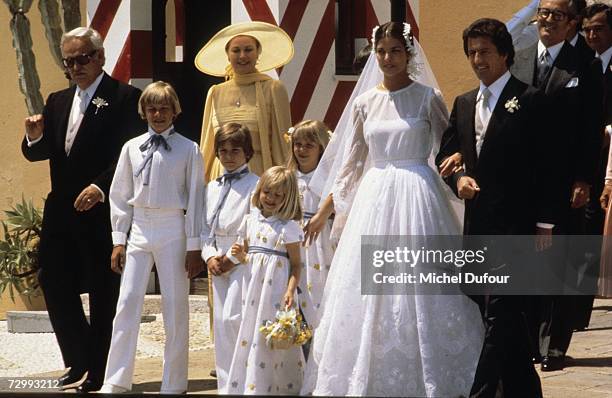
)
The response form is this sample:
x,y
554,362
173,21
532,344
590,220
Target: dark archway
x,y
201,20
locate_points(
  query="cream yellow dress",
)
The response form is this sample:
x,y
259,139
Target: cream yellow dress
x,y
257,101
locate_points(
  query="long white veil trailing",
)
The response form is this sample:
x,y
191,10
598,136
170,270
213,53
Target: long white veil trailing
x,y
337,150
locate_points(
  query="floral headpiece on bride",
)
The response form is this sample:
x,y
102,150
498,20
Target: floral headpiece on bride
x,y
411,68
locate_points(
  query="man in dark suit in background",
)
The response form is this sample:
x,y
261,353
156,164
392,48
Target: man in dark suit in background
x,y
557,70
81,132
598,33
575,38
491,127
598,40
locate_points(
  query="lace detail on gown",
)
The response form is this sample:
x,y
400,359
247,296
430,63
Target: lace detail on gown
x,y
393,345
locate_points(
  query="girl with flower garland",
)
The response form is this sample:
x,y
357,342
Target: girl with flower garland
x,y
271,248
309,138
399,343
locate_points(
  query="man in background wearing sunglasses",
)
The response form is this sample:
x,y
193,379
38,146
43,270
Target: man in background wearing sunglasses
x,y
556,68
81,132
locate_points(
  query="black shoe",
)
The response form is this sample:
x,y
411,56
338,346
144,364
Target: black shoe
x,y
550,364
71,376
536,359
89,385
213,373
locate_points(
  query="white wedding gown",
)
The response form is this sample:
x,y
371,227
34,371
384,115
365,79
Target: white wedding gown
x,y
393,345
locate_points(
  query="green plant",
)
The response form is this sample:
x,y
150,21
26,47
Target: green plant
x,y
19,250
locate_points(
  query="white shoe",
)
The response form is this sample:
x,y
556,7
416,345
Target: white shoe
x,y
112,389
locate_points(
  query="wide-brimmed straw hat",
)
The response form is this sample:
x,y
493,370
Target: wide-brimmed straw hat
x,y
276,47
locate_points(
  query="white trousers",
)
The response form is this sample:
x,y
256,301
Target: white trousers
x,y
227,312
157,236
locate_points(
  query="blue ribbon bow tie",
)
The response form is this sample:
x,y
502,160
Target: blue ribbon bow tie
x,y
151,145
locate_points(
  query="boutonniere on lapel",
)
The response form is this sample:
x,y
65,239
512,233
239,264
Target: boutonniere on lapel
x,y
512,105
99,103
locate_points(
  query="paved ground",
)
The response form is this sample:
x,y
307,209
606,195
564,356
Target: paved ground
x,y
589,373
590,370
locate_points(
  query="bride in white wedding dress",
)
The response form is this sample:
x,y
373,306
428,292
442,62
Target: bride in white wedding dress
x,y
391,345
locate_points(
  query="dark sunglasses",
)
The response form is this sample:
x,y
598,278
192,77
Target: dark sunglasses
x,y
557,15
82,59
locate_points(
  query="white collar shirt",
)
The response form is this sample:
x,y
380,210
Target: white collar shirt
x,y
605,59
237,204
495,88
553,51
176,181
77,111
574,40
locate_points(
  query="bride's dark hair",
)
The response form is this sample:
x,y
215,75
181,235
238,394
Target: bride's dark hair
x,y
396,31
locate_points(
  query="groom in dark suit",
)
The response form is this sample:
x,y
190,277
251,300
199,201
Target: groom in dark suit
x,y
556,68
81,132
495,130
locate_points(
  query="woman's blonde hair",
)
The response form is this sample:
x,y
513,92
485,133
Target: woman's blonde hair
x,y
310,130
284,179
158,92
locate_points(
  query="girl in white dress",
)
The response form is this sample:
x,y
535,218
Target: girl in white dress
x,y
308,141
272,240
390,345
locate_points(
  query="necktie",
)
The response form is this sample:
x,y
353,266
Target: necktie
x,y
544,65
84,101
483,114
227,180
597,64
150,145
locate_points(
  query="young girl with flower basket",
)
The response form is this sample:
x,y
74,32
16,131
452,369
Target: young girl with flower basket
x,y
264,362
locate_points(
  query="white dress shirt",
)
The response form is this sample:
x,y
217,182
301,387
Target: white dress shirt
x,y
176,182
605,59
80,102
236,206
553,51
495,88
574,40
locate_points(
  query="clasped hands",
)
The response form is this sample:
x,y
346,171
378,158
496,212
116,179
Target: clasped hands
x,y
218,265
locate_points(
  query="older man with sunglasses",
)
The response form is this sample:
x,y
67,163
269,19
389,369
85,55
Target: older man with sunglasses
x,y
556,68
81,132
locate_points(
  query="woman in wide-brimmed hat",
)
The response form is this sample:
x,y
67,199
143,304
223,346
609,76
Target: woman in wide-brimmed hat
x,y
240,52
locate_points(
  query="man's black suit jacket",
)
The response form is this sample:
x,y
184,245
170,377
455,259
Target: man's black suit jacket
x,y
92,160
572,117
511,169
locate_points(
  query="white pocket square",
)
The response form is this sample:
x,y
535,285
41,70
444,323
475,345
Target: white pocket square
x,y
572,83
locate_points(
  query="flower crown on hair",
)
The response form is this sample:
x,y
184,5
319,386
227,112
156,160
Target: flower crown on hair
x,y
413,68
407,33
287,135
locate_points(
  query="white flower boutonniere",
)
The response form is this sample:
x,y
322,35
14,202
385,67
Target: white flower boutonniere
x,y
99,103
512,105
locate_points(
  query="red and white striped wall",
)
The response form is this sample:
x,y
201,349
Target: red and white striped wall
x,y
126,28
316,92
